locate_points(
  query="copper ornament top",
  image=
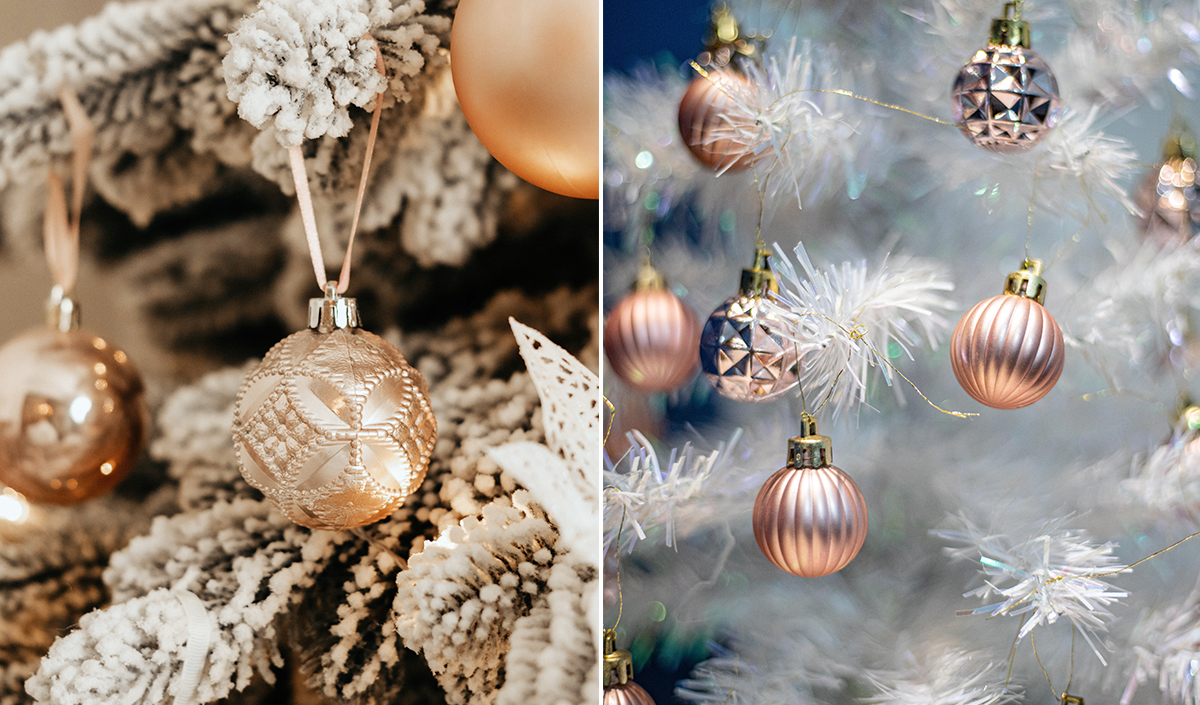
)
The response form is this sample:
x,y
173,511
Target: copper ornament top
x,y
1027,282
649,278
725,39
618,662
1010,30
758,279
62,313
809,449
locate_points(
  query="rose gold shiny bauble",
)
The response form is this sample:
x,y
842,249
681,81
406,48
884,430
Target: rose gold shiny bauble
x,y
650,340
706,121
628,693
527,74
1007,352
334,427
73,415
810,521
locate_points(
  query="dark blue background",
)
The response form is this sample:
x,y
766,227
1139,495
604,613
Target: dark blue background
x,y
639,30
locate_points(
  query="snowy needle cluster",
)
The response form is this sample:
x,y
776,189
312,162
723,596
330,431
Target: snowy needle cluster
x,y
1050,574
1166,648
848,322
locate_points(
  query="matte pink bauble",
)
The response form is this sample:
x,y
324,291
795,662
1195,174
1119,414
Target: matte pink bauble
x,y
810,518
628,693
1007,352
708,119
650,340
527,74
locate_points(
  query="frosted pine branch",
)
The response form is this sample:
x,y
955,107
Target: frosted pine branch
x,y
1166,647
1050,574
951,677
847,321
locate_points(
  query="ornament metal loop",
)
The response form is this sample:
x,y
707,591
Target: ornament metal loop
x,y
333,311
617,662
62,313
809,449
1068,699
1027,282
1010,30
759,279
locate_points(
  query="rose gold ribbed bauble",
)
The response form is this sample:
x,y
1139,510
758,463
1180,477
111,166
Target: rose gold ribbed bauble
x,y
527,75
73,415
1007,351
810,521
706,122
650,340
628,693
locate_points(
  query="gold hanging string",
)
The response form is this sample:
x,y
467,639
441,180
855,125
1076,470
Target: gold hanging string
x,y
1033,644
1012,651
859,333
1071,673
612,416
617,552
1033,191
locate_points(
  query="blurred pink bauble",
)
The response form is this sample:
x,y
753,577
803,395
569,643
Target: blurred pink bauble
x,y
650,340
708,119
1007,351
628,693
810,521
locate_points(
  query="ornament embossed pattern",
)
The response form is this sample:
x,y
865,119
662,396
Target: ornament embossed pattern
x,y
335,428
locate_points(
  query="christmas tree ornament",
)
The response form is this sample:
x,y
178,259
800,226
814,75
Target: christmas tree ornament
x,y
741,350
619,688
527,75
1007,351
73,416
333,426
650,336
706,118
1168,196
1005,98
810,518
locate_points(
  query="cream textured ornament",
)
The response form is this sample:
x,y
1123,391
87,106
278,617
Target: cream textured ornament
x,y
1007,351
1005,98
810,518
334,426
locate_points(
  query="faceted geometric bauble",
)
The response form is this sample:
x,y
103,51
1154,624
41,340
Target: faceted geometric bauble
x,y
1169,199
73,415
706,123
810,521
650,340
743,355
627,693
1005,98
527,75
1007,352
335,428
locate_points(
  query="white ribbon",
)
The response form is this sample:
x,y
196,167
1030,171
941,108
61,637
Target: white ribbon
x,y
199,637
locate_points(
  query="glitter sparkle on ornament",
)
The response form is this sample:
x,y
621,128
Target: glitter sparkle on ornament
x,y
334,425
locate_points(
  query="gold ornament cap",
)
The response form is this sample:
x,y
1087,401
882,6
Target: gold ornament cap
x,y
1010,30
333,311
617,662
725,39
62,313
809,449
1068,699
649,278
1027,282
759,279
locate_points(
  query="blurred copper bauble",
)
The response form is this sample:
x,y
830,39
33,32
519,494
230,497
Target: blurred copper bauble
x,y
650,336
1169,197
741,349
527,74
617,670
1005,98
708,118
73,415
1007,351
810,518
628,693
334,426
